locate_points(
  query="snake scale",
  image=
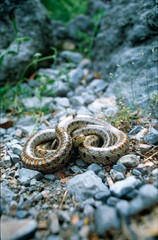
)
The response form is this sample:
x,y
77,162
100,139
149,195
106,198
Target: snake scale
x,y
113,144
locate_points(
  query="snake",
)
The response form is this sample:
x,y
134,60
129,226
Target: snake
x,y
96,141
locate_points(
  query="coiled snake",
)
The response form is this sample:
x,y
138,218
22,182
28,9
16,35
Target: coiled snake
x,y
97,142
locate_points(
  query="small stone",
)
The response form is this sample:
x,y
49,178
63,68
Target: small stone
x,y
13,205
105,219
120,168
130,160
112,201
54,223
89,78
24,181
18,133
135,130
152,136
62,101
136,172
80,163
155,172
33,182
101,174
21,214
116,176
84,231
147,197
50,176
132,194
102,195
6,161
17,148
88,210
64,216
144,148
95,167
14,157
85,185
121,188
17,229
143,170
77,101
30,174
98,85
38,197
76,169
122,207
75,77
74,57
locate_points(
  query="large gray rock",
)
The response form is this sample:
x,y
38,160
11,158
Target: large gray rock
x,y
85,185
124,46
32,21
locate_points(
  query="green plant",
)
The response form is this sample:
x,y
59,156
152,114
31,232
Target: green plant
x,y
65,10
17,40
87,42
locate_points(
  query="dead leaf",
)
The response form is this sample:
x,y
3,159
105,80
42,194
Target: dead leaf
x,y
60,174
6,123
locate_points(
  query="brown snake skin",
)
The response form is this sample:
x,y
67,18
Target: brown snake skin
x,y
114,143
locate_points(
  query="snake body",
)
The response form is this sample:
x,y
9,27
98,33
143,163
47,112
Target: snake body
x,y
113,145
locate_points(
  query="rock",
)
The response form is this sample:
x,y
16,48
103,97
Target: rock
x,y
120,168
112,201
88,98
64,216
80,163
98,85
6,161
95,167
54,223
38,197
102,195
132,194
54,237
135,130
7,195
130,160
59,29
30,174
116,176
152,136
122,187
17,148
107,105
75,77
18,229
25,14
88,210
77,101
155,172
35,102
95,7
14,157
82,23
144,148
84,231
122,207
105,219
60,88
85,185
20,214
18,133
89,78
74,57
62,101
76,169
147,197
136,172
50,176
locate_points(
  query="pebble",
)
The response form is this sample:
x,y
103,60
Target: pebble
x,y
80,163
135,130
136,172
155,172
122,207
50,176
30,174
147,197
14,157
20,214
130,160
75,77
89,78
116,176
17,229
144,148
120,168
17,148
122,187
112,201
62,101
84,231
54,223
152,136
105,219
74,57
102,195
98,85
6,161
85,185
88,210
95,167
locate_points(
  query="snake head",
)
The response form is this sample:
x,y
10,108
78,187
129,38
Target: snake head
x,y
78,139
